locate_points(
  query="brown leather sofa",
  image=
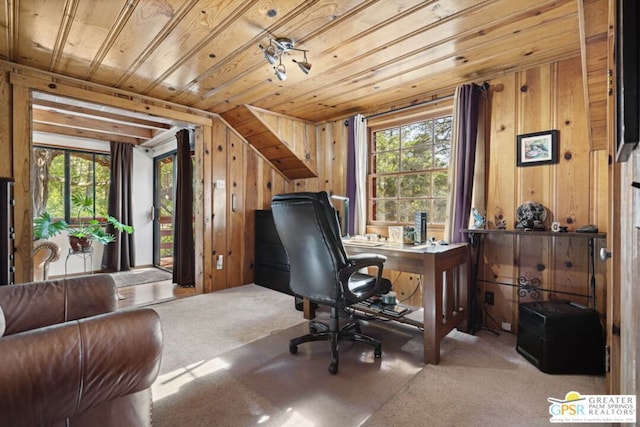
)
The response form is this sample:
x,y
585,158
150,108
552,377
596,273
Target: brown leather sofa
x,y
67,358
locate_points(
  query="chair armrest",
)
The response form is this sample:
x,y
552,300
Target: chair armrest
x,y
374,259
46,251
356,263
34,305
360,261
53,373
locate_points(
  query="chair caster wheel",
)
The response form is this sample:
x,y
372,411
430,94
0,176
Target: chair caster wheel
x,y
377,353
293,349
333,368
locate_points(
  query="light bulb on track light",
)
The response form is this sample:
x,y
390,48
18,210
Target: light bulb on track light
x,y
281,72
276,49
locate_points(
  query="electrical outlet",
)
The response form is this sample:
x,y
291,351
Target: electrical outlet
x,y
219,262
489,298
506,326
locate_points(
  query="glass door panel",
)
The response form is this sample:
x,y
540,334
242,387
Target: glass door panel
x,y
164,171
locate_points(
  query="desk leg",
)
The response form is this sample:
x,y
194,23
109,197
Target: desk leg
x,y
309,309
446,272
431,294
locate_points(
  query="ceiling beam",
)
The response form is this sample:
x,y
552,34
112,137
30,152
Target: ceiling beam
x,y
98,113
89,124
84,133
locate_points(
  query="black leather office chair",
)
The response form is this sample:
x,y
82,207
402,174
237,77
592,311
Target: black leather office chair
x,y
320,269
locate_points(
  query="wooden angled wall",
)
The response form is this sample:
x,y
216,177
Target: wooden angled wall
x,y
252,181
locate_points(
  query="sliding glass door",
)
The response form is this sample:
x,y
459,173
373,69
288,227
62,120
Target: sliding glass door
x,y
164,178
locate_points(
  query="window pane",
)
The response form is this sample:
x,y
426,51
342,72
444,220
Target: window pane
x,y
416,159
81,174
386,162
438,212
416,134
54,196
87,175
386,186
103,164
387,140
440,184
415,185
385,210
409,166
408,209
443,129
442,155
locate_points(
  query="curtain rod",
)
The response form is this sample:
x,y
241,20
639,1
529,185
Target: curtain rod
x,y
408,107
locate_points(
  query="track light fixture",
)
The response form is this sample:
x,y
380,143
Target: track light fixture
x,y
278,47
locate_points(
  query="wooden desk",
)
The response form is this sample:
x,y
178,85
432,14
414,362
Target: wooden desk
x,y
446,272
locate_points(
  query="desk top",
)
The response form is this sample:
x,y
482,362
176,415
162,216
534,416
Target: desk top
x,y
373,246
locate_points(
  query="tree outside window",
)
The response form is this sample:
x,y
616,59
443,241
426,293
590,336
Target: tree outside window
x,y
59,173
408,171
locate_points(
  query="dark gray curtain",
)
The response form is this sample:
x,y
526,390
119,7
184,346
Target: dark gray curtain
x,y
467,130
120,255
183,244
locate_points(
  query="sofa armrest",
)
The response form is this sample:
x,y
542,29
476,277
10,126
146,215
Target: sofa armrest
x,y
38,304
53,373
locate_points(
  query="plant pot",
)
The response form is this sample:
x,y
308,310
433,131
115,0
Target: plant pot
x,y
80,244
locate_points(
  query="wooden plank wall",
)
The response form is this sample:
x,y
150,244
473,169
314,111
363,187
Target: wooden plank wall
x,y
546,97
574,190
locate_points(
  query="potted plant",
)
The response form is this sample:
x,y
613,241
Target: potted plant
x,y
83,232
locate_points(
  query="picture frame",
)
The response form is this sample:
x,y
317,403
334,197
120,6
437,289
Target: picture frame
x,y
537,148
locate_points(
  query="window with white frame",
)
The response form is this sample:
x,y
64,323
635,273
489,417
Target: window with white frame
x,y
408,170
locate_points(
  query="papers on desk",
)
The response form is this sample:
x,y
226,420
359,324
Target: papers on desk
x,y
377,243
366,243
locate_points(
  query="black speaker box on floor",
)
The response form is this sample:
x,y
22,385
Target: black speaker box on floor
x,y
560,337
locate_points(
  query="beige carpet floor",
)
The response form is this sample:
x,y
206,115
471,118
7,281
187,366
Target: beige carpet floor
x,y
234,369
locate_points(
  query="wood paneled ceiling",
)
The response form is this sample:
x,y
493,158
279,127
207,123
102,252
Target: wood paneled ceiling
x,y
367,55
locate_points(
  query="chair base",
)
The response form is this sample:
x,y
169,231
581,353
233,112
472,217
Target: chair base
x,y
320,331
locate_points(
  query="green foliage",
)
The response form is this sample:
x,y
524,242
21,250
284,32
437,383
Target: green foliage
x,y
87,173
45,227
85,227
410,168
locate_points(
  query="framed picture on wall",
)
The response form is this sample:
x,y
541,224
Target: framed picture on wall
x,y
538,148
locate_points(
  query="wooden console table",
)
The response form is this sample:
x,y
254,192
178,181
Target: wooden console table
x,y
446,276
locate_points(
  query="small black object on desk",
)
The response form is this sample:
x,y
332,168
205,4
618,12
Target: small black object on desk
x,y
589,228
